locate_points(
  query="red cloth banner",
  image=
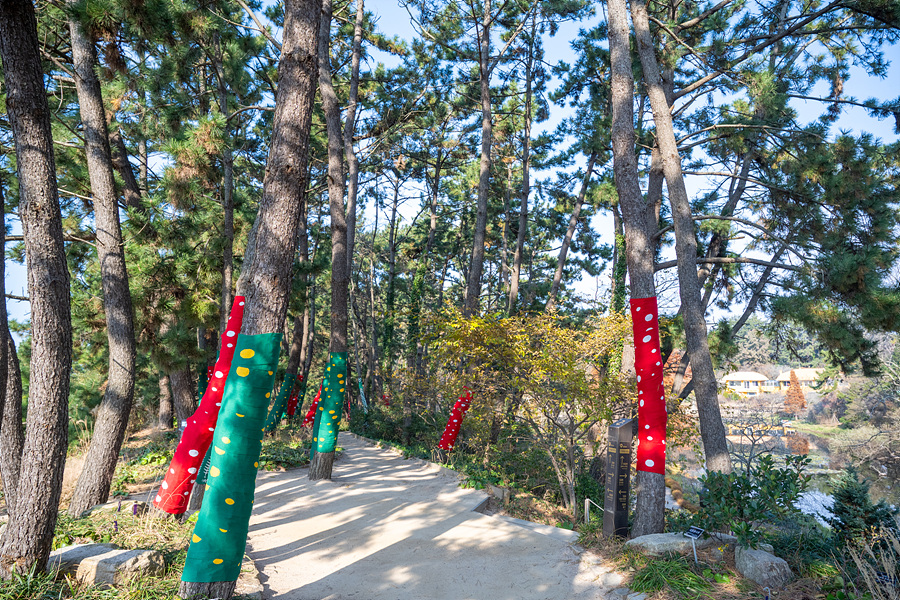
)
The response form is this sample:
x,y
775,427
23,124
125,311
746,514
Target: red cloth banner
x,y
311,414
175,490
651,452
448,440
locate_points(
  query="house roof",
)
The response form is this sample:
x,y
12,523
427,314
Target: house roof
x,y
744,376
802,374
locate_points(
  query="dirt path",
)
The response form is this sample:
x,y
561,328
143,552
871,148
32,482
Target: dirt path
x,y
386,528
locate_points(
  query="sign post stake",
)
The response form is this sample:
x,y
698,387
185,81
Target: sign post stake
x,y
618,479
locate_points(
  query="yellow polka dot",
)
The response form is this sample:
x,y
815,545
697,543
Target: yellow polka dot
x,y
214,471
329,368
196,538
229,501
242,371
342,389
207,487
330,412
226,439
315,439
239,415
247,353
334,417
219,450
256,464
218,561
223,530
321,408
270,372
268,394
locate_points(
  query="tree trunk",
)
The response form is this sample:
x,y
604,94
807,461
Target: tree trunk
x,y
321,463
112,418
227,198
712,430
640,228
265,279
349,130
570,232
476,265
12,435
120,161
526,178
26,543
183,393
166,408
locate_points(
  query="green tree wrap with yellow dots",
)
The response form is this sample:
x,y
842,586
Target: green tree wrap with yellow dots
x,y
220,536
280,404
329,414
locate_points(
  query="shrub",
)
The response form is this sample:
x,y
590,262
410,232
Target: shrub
x,y
857,520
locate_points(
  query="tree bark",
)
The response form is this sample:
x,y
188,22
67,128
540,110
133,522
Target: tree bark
x,y
132,192
640,227
183,394
265,279
112,418
476,265
349,131
227,199
12,434
13,457
570,232
26,543
166,408
321,463
712,430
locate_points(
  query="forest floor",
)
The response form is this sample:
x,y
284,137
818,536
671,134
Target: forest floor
x,y
386,527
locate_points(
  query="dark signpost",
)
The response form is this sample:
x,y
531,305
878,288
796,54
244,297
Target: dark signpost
x,y
618,479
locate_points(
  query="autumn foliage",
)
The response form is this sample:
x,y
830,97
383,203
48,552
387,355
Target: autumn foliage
x,y
794,399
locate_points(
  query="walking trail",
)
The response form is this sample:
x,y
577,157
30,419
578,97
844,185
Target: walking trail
x,y
388,528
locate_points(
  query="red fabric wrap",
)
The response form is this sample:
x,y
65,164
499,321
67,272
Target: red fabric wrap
x,y
651,452
175,490
311,414
292,401
448,440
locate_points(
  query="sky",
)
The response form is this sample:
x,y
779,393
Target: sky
x,y
393,20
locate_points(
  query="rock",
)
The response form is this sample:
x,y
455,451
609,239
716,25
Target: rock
x,y
620,593
657,544
105,564
762,567
636,596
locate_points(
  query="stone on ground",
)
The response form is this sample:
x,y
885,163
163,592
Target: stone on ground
x,y
763,568
657,544
105,564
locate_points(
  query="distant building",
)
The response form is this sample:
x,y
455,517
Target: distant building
x,y
749,383
807,378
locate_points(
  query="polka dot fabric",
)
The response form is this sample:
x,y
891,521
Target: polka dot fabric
x,y
280,404
334,389
448,440
295,397
175,491
220,536
311,414
651,452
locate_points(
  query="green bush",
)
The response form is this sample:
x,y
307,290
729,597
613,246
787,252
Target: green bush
x,y
857,520
737,502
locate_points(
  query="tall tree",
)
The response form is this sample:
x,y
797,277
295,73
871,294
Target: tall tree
x,y
112,418
26,542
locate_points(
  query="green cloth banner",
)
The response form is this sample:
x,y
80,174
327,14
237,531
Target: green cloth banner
x,y
328,417
280,405
220,536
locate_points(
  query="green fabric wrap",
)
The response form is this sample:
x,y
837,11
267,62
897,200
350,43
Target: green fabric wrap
x,y
220,536
280,404
203,473
328,417
301,396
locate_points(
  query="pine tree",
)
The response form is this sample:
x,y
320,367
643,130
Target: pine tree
x,y
794,399
857,519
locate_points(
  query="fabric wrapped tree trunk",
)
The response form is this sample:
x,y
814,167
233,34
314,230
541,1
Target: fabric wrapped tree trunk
x,y
220,536
313,409
175,491
451,431
280,404
652,417
295,397
328,416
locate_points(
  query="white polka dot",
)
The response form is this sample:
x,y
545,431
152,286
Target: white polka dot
x,y
159,498
648,317
639,378
192,481
642,402
211,429
646,339
219,375
231,345
241,304
649,463
638,309
646,427
657,363
194,453
664,442
165,485
172,471
229,333
186,493
653,351
649,438
218,404
192,470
